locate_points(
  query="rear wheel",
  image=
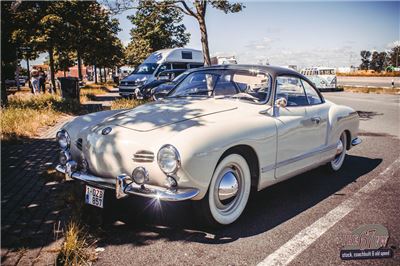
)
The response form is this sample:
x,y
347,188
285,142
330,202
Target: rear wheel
x,y
228,193
337,162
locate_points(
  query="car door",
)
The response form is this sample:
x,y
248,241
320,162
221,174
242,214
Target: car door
x,y
299,128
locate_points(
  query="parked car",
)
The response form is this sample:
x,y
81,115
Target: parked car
x,y
23,80
145,92
162,90
159,61
222,132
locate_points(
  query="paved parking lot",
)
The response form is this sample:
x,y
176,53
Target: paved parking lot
x,y
317,207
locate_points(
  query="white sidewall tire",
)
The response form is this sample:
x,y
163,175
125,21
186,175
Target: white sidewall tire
x,y
334,164
219,217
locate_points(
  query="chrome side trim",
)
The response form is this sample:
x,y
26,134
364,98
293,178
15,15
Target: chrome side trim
x,y
306,155
347,116
298,158
356,141
126,186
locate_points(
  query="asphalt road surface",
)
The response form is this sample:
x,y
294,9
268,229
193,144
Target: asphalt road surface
x,y
301,221
368,81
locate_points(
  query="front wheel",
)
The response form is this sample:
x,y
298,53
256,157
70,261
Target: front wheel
x,y
337,162
228,193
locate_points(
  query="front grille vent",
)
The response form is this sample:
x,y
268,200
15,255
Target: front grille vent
x,y
78,144
143,157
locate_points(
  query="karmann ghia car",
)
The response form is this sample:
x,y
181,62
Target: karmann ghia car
x,y
221,133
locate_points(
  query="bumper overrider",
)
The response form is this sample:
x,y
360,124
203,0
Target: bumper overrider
x,y
123,184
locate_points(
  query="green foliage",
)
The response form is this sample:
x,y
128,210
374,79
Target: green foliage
x,y
365,59
379,61
394,56
67,30
156,26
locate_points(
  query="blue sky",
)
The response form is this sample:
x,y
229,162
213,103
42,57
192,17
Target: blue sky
x,y
312,33
302,33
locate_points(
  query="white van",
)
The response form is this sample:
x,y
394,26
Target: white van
x,y
324,78
157,62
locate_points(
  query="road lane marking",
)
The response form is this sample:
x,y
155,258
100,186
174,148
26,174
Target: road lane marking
x,y
300,242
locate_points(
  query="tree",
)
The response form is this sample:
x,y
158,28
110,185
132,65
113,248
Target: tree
x,y
379,61
156,26
365,59
17,19
394,56
196,9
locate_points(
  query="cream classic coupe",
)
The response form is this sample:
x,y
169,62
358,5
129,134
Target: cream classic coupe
x,y
221,133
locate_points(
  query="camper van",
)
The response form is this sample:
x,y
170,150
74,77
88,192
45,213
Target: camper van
x,y
324,78
157,62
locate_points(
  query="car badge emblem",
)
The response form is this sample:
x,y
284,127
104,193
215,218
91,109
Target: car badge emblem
x,y
106,131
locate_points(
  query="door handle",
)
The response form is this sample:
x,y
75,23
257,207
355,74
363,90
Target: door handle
x,y
316,119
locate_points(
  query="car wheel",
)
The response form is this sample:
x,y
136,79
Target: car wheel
x,y
337,162
228,193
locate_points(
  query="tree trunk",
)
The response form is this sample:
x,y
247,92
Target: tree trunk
x,y
4,99
204,41
105,74
51,59
101,75
79,66
27,68
95,74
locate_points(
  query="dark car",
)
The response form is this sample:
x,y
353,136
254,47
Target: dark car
x,y
163,89
145,92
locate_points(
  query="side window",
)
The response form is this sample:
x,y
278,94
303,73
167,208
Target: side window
x,y
312,95
225,86
179,66
164,67
292,90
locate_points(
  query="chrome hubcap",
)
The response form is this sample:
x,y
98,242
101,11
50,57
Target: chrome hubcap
x,y
228,188
339,147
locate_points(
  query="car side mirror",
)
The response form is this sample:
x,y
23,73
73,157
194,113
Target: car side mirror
x,y
281,102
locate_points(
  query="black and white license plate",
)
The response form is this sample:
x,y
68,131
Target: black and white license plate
x,y
94,196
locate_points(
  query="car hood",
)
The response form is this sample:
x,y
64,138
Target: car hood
x,y
168,112
138,78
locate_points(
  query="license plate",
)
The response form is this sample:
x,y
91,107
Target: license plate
x,y
94,196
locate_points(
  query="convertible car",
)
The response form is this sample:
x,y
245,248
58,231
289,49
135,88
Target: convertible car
x,y
222,133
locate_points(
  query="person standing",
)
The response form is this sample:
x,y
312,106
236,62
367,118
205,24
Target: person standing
x,y
35,81
42,80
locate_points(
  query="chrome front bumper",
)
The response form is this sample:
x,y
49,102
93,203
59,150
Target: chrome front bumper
x,y
124,185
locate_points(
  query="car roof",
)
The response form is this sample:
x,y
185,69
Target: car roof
x,y
273,70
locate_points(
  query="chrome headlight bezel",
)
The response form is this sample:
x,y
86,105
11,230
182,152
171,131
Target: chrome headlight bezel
x,y
63,139
162,158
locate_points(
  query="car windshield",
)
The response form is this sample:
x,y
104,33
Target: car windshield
x,y
248,85
147,68
179,77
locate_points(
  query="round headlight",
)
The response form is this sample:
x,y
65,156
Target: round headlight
x,y
63,139
168,159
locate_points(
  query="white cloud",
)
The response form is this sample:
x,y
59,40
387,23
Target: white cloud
x,y
393,44
338,56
